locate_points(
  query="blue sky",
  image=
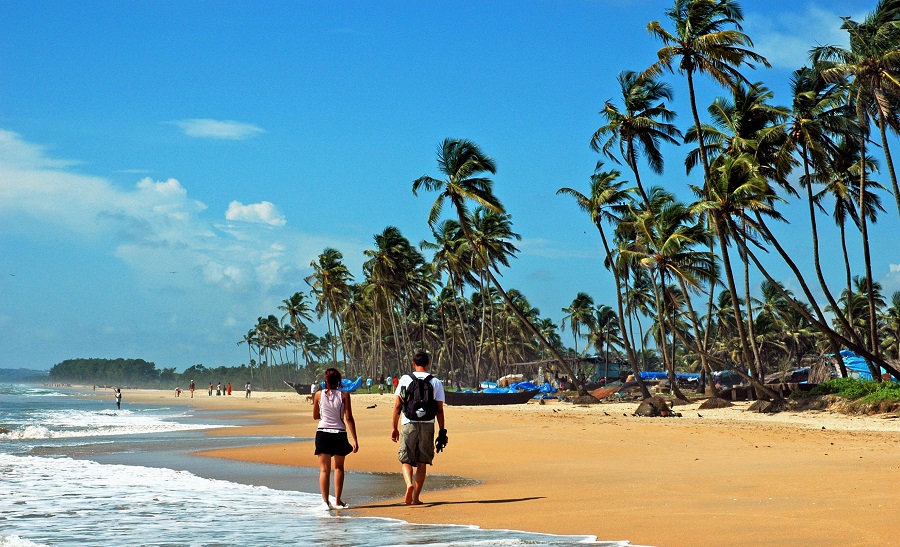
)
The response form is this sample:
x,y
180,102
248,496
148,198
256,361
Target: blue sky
x,y
168,170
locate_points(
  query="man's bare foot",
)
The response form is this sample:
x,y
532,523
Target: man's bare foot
x,y
416,502
409,495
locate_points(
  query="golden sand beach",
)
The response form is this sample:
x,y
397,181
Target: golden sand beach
x,y
711,477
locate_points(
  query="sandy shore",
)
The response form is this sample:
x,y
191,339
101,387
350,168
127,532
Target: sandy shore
x,y
728,477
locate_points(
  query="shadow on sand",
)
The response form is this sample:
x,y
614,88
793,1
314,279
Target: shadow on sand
x,y
439,503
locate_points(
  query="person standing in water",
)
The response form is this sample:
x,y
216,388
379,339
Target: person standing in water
x,y
331,407
118,399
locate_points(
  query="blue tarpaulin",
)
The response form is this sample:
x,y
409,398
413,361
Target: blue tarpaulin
x,y
856,365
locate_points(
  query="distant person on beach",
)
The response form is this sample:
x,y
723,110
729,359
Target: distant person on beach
x,y
229,388
192,387
178,392
210,389
246,387
331,407
369,385
419,400
218,389
118,399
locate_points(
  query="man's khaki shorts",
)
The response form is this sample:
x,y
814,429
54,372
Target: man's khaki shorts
x,y
417,443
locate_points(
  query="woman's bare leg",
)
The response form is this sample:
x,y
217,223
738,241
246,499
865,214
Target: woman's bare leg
x,y
325,476
338,479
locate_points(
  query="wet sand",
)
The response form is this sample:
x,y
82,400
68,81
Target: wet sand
x,y
712,477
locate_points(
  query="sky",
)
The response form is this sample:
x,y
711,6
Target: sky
x,y
168,169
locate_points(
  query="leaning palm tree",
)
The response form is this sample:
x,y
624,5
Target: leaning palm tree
x,y
703,43
462,161
640,127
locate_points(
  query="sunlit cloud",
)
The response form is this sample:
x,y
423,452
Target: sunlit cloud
x,y
785,39
263,212
167,238
207,128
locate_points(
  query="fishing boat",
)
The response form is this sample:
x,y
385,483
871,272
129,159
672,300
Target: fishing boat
x,y
480,398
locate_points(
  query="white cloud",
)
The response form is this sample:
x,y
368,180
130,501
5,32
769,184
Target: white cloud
x,y
158,230
263,212
206,128
785,39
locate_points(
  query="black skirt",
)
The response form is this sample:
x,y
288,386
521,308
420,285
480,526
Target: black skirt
x,y
333,444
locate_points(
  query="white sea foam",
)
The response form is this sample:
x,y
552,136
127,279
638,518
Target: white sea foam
x,y
61,501
16,541
70,423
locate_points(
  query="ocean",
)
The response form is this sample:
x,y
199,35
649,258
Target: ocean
x,y
76,471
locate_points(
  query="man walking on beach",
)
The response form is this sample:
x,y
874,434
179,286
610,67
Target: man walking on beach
x,y
419,400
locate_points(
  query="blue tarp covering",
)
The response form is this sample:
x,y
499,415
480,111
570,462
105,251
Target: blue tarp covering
x,y
547,388
856,365
346,385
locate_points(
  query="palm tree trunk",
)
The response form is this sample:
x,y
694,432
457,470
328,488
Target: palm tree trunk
x,y
851,333
695,322
659,290
857,347
735,304
760,371
889,160
703,157
848,272
620,296
863,228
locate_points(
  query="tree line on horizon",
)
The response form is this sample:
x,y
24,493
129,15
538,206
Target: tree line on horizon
x,y
681,269
140,373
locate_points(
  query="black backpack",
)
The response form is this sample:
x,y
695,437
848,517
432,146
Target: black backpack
x,y
418,400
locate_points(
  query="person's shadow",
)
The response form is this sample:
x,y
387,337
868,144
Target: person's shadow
x,y
439,503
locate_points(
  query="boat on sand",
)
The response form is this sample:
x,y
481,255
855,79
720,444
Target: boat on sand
x,y
480,398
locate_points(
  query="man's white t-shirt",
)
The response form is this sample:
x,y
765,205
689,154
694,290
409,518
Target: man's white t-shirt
x,y
436,384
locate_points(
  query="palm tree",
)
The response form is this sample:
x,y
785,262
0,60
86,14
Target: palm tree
x,y
296,310
461,161
641,127
702,43
607,195
892,325
873,65
666,239
580,313
330,283
736,189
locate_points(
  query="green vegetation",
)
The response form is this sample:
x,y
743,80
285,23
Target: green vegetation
x,y
144,374
861,391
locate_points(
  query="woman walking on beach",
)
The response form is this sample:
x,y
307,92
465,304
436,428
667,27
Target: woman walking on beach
x,y
331,407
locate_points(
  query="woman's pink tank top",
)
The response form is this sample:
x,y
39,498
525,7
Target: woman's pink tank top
x,y
331,410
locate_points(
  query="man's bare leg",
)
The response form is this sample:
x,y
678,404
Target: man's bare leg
x,y
421,471
408,479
